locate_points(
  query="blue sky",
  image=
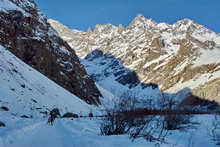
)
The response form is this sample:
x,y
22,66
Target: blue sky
x,y
82,14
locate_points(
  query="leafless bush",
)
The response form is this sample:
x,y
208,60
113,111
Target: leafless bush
x,y
152,128
126,117
123,120
115,124
117,121
174,121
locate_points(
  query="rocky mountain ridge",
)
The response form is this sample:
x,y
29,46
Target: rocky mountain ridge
x,y
26,33
174,56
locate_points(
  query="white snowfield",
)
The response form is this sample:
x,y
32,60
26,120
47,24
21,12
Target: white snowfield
x,y
208,57
83,132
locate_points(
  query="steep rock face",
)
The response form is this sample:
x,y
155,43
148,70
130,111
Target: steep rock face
x,y
26,33
174,56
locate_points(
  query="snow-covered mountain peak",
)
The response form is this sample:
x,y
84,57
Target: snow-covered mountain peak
x,y
104,28
163,26
141,21
53,21
188,25
186,21
182,26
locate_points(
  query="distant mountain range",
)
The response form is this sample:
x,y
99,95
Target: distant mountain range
x,y
184,55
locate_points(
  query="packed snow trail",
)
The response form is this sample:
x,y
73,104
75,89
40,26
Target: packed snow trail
x,y
83,132
64,133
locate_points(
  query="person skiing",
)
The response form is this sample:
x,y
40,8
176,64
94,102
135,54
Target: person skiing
x,y
53,115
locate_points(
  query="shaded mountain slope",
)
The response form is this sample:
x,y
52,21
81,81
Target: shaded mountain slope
x,y
26,33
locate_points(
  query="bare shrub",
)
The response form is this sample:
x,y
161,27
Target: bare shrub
x,y
122,119
115,124
152,128
117,121
174,121
127,117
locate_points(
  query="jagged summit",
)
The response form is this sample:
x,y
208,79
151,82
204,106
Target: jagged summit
x,y
186,21
141,20
185,25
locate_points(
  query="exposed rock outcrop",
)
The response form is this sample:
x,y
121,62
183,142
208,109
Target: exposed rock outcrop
x,y
26,33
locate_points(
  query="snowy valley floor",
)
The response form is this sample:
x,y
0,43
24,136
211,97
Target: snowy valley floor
x,y
83,132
